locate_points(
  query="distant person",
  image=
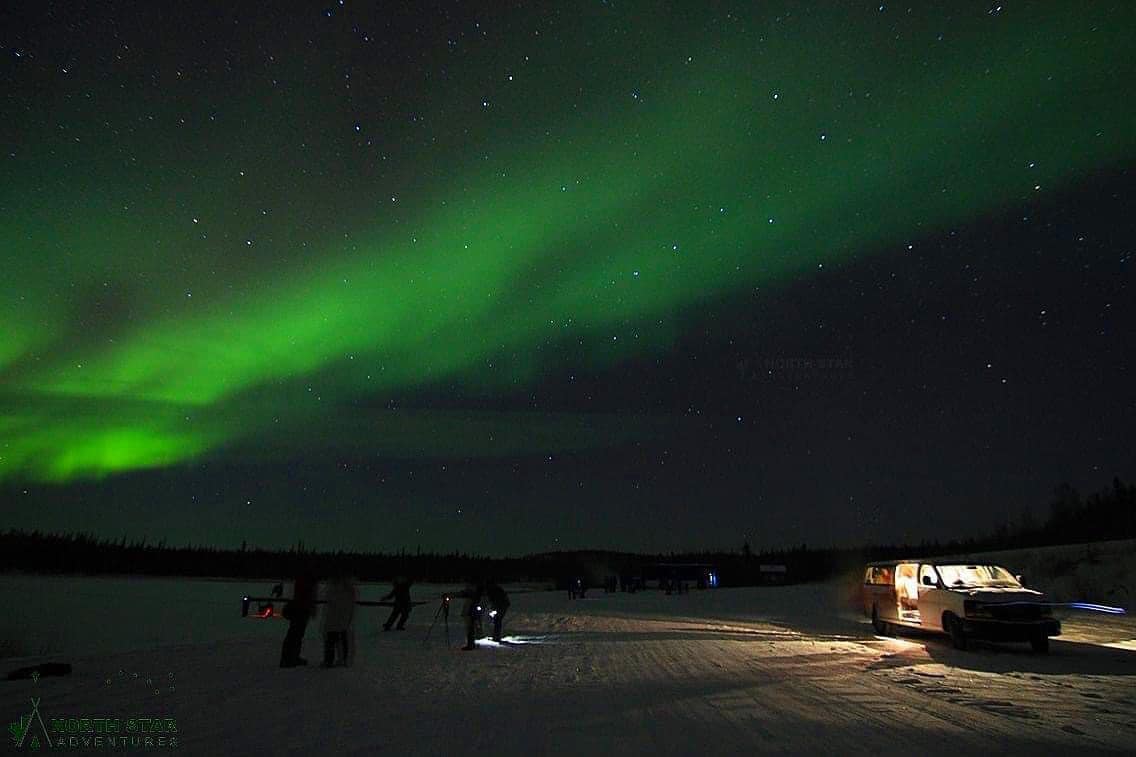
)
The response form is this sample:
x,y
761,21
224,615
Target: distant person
x,y
337,617
471,611
498,603
277,593
400,593
298,611
577,589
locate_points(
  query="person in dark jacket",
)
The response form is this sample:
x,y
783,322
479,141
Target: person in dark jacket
x,y
270,608
298,611
498,604
400,592
471,611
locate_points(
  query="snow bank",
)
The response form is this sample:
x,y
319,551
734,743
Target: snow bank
x,y
730,671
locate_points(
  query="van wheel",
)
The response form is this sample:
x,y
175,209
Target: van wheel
x,y
880,626
953,626
1040,643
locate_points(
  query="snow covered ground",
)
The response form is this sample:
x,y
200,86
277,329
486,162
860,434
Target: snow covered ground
x,y
728,671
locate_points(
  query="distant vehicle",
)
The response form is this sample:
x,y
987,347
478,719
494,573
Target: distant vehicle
x,y
964,600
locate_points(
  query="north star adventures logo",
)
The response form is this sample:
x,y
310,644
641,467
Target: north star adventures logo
x,y
103,732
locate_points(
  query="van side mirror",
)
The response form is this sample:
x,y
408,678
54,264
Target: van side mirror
x,y
928,581
1019,579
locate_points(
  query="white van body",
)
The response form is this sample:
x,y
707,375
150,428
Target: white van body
x,y
963,599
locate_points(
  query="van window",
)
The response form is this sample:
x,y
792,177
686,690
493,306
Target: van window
x,y
928,570
878,576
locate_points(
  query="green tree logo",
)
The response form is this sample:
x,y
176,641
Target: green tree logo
x,y
19,728
22,729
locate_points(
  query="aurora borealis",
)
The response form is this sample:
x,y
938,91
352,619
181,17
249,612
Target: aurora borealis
x,y
320,249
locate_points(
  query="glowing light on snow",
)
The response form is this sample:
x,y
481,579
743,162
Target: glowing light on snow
x,y
515,641
1097,608
1129,645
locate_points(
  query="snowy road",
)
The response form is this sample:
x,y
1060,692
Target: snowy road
x,y
724,672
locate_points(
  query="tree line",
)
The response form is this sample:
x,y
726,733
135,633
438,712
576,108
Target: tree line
x,y
1103,515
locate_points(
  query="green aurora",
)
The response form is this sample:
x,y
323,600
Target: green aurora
x,y
241,283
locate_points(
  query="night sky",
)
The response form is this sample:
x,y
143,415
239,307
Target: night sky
x,y
522,277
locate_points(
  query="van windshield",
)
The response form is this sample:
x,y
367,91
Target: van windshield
x,y
976,576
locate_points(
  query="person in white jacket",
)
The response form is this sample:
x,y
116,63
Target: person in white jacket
x,y
337,617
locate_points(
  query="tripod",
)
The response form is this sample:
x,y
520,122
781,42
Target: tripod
x,y
444,612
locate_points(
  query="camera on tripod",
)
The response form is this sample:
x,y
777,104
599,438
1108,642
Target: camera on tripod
x,y
442,612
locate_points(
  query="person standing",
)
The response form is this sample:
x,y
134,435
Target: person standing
x,y
341,596
471,611
270,608
499,603
298,611
400,593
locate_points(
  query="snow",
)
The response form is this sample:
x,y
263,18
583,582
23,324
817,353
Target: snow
x,y
769,670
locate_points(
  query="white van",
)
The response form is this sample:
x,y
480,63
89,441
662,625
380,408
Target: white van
x,y
965,600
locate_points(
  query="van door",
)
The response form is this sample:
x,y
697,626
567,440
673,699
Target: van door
x,y
907,592
930,597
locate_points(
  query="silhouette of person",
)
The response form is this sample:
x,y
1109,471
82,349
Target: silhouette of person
x,y
298,611
277,593
400,592
341,596
471,611
576,588
499,602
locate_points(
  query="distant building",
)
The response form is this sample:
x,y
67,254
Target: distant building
x,y
697,575
772,573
